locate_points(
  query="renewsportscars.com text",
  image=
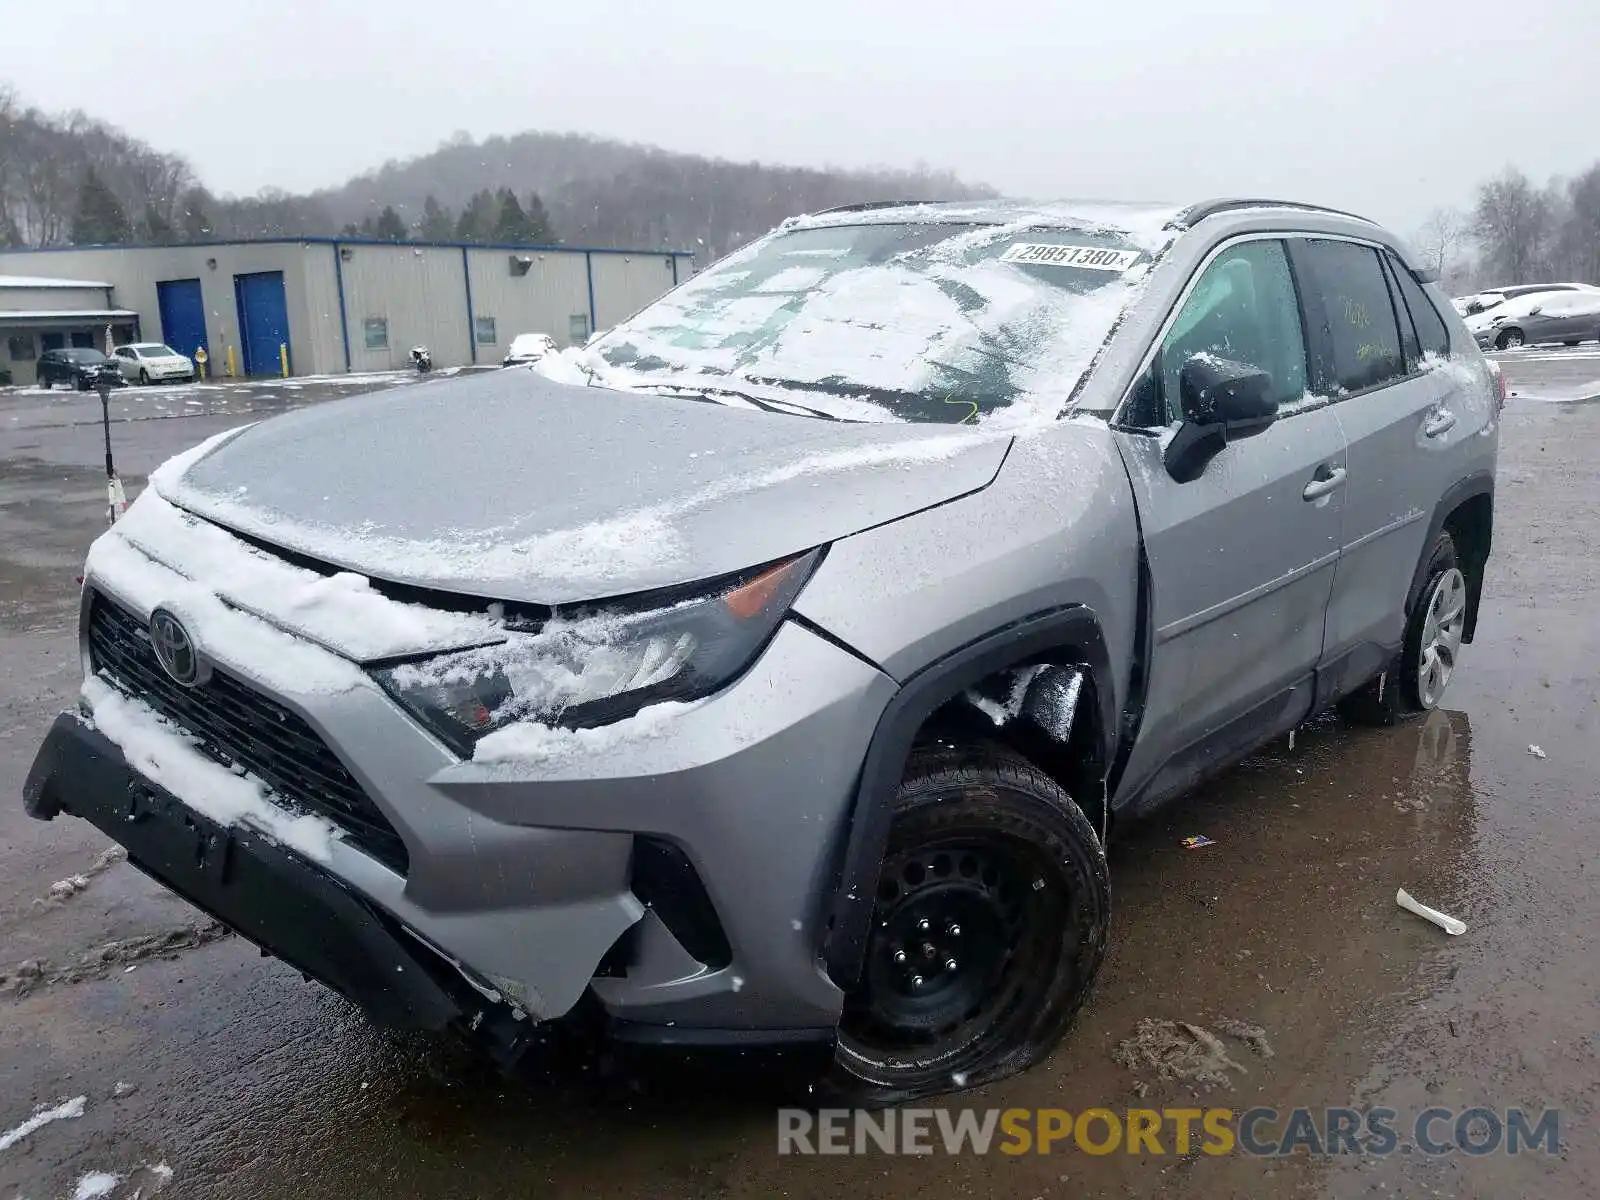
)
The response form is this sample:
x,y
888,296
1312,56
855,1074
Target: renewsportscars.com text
x,y
1262,1132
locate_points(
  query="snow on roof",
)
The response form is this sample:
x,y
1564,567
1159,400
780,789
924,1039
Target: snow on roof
x,y
1143,221
65,314
41,281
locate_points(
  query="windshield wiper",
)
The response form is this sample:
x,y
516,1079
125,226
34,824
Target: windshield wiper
x,y
723,394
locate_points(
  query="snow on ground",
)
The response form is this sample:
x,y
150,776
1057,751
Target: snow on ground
x,y
160,752
95,1185
66,1111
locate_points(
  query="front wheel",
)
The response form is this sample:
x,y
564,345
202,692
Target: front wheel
x,y
1510,339
989,926
1415,681
144,377
44,381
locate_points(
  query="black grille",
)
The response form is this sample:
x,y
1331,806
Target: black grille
x,y
238,726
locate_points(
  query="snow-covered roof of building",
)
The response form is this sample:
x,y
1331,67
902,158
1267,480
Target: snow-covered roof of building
x,y
67,314
41,281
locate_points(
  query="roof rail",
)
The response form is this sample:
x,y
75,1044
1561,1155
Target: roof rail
x,y
869,205
1196,213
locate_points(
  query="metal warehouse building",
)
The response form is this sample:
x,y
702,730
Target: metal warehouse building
x,y
330,305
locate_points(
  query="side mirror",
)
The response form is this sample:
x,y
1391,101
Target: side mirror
x,y
1536,310
1222,401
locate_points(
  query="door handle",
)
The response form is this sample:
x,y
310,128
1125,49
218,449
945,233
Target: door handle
x,y
1325,481
1439,422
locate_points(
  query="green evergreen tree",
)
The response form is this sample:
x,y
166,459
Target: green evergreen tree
x,y
540,231
437,224
478,219
99,219
512,225
389,226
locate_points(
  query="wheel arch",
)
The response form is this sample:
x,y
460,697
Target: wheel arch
x,y
1466,512
1070,634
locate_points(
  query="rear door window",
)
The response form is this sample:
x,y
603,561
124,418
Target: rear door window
x,y
1358,318
1430,325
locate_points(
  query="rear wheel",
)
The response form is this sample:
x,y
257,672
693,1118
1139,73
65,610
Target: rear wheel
x,y
1416,680
1509,339
1573,342
989,926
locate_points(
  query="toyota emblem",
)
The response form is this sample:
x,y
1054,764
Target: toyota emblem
x,y
175,649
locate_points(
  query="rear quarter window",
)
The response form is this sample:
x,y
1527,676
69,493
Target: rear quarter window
x,y
1358,315
1431,330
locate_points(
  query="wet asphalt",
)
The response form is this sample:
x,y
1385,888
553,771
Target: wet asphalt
x,y
246,1081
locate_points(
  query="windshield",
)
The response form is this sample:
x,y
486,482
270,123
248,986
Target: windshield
x,y
916,321
84,356
155,350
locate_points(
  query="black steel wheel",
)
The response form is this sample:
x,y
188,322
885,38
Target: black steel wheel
x,y
989,926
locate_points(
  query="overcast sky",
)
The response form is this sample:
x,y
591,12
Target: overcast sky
x,y
1387,107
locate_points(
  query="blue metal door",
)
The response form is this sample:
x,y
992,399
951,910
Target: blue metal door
x,y
263,320
183,315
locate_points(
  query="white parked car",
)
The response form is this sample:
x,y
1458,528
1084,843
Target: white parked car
x,y
528,348
152,362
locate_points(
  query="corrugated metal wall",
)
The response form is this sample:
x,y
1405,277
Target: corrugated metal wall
x,y
625,283
545,299
419,293
52,299
315,345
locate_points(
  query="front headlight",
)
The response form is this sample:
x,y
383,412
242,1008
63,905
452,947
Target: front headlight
x,y
602,665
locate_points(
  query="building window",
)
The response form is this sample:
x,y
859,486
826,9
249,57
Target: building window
x,y
82,339
578,328
20,347
376,330
484,327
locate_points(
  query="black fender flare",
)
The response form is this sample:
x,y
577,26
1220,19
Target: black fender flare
x,y
1480,483
1074,628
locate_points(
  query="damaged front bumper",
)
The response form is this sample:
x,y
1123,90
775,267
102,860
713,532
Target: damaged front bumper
x,y
271,896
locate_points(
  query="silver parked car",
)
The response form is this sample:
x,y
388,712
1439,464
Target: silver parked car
x,y
784,684
1568,316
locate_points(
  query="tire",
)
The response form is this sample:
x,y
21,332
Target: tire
x,y
1007,870
1410,685
144,377
1509,339
44,381
1572,342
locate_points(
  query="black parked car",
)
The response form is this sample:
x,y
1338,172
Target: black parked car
x,y
79,368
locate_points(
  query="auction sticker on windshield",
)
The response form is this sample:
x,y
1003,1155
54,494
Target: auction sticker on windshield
x,y
1087,257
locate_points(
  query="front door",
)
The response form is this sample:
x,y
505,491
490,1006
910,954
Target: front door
x,y
1241,559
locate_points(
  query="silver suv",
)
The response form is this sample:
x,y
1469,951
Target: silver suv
x,y
774,669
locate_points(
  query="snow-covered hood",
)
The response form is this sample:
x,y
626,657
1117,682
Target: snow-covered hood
x,y
511,486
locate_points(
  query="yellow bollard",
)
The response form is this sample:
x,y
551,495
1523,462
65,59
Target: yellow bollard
x,y
283,359
229,365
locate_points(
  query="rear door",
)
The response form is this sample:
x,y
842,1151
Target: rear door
x,y
1389,373
1240,559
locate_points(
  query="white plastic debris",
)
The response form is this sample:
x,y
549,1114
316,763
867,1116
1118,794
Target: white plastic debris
x,y
1537,751
1445,922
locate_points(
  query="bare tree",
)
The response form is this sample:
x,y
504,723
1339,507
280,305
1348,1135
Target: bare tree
x,y
1442,238
1511,223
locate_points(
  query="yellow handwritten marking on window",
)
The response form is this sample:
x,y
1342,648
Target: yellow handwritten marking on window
x,y
972,417
1356,313
1368,350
